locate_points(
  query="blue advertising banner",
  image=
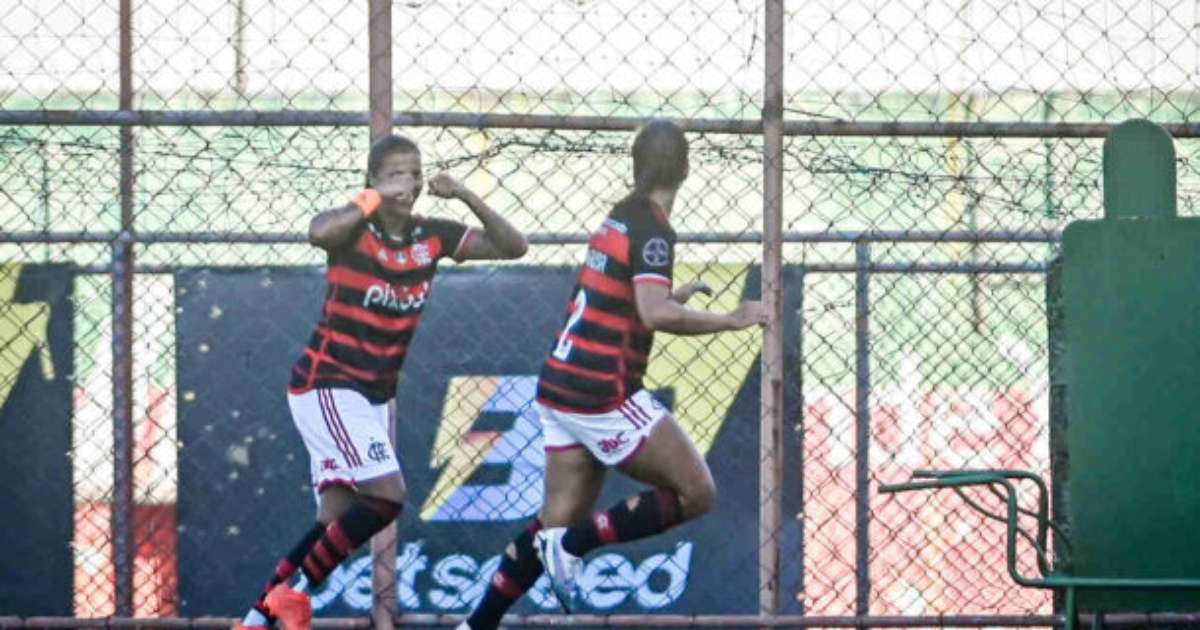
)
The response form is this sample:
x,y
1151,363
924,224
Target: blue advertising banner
x,y
469,443
36,341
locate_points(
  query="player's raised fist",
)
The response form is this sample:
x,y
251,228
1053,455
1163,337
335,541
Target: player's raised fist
x,y
444,186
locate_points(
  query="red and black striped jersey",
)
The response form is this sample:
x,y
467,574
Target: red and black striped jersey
x,y
600,353
377,289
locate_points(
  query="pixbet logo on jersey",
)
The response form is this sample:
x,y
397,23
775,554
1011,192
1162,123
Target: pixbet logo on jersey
x,y
397,298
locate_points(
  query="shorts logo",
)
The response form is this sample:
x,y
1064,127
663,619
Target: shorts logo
x,y
656,252
378,452
608,445
329,464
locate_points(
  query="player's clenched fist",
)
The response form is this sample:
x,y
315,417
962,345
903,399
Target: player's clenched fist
x,y
444,186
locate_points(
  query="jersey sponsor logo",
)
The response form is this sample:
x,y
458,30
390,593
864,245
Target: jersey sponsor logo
x,y
656,252
397,298
329,464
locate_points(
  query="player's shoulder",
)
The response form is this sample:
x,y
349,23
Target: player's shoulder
x,y
639,214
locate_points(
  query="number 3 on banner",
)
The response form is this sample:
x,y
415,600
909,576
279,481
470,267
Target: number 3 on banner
x,y
563,349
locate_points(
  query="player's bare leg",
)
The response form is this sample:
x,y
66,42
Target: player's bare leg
x,y
333,501
352,517
670,461
572,482
683,489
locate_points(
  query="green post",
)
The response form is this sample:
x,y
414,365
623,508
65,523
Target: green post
x,y
1139,171
1131,313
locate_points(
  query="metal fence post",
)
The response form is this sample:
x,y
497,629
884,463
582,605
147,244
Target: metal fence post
x,y
771,429
122,342
383,546
862,427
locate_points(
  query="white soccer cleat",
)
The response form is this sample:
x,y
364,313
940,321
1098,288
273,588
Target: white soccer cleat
x,y
561,566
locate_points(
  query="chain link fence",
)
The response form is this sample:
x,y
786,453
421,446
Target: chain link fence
x,y
933,152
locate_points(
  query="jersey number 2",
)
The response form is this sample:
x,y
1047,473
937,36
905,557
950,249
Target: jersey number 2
x,y
563,349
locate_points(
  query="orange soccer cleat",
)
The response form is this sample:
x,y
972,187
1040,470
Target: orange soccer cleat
x,y
292,608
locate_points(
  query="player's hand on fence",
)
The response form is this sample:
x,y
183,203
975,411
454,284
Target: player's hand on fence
x,y
747,314
444,186
685,292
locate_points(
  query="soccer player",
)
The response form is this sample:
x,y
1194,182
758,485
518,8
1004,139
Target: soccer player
x,y
381,262
595,413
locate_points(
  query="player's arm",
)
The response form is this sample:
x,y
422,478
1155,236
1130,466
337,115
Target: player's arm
x,y
499,238
658,310
331,229
685,292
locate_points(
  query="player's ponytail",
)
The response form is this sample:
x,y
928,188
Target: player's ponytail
x,y
660,156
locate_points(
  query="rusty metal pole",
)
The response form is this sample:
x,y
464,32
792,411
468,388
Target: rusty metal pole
x,y
123,547
383,546
771,429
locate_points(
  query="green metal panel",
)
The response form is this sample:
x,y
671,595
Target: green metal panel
x,y
1131,296
1139,171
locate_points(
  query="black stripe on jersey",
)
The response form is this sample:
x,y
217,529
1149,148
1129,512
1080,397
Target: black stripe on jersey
x,y
579,400
369,333
619,307
588,386
362,359
379,388
593,361
362,263
598,333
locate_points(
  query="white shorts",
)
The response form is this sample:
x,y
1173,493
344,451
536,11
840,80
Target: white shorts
x,y
348,438
612,437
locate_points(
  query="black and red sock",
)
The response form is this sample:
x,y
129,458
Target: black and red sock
x,y
519,569
649,513
288,565
364,519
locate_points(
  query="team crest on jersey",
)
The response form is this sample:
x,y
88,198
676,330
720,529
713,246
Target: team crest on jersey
x,y
656,252
420,253
382,255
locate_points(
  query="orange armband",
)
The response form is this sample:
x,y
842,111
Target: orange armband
x,y
368,201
